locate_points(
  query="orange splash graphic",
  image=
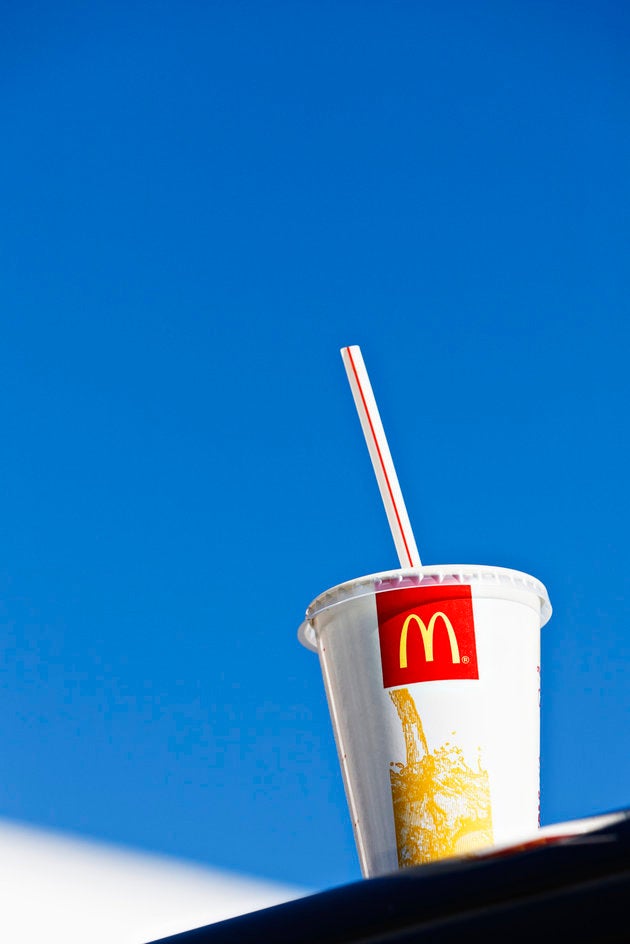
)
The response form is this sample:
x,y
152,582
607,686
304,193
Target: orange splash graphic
x,y
441,805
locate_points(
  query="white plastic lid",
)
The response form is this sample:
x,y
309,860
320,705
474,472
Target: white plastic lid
x,y
488,581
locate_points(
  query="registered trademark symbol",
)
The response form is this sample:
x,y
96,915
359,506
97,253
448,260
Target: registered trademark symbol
x,y
465,660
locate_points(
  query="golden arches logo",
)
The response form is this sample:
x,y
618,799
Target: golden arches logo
x,y
427,637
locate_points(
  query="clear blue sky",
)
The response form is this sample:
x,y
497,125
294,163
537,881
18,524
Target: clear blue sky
x,y
201,203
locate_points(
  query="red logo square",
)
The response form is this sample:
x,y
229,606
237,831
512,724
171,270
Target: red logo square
x,y
426,634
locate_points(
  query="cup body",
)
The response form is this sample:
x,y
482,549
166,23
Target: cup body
x,y
433,685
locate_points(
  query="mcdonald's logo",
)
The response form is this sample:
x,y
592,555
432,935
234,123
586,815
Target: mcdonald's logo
x,y
426,634
427,637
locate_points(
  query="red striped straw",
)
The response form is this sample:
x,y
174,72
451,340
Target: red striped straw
x,y
381,457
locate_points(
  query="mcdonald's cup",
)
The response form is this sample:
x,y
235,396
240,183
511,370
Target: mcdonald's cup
x,y
433,685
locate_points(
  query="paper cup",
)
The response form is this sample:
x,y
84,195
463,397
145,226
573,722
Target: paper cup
x,y
433,685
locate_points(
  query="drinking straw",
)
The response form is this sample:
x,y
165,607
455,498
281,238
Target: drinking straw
x,y
381,457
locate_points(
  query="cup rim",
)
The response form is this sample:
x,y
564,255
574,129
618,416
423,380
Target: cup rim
x,y
492,580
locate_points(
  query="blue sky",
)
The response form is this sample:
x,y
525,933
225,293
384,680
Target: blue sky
x,y
201,203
